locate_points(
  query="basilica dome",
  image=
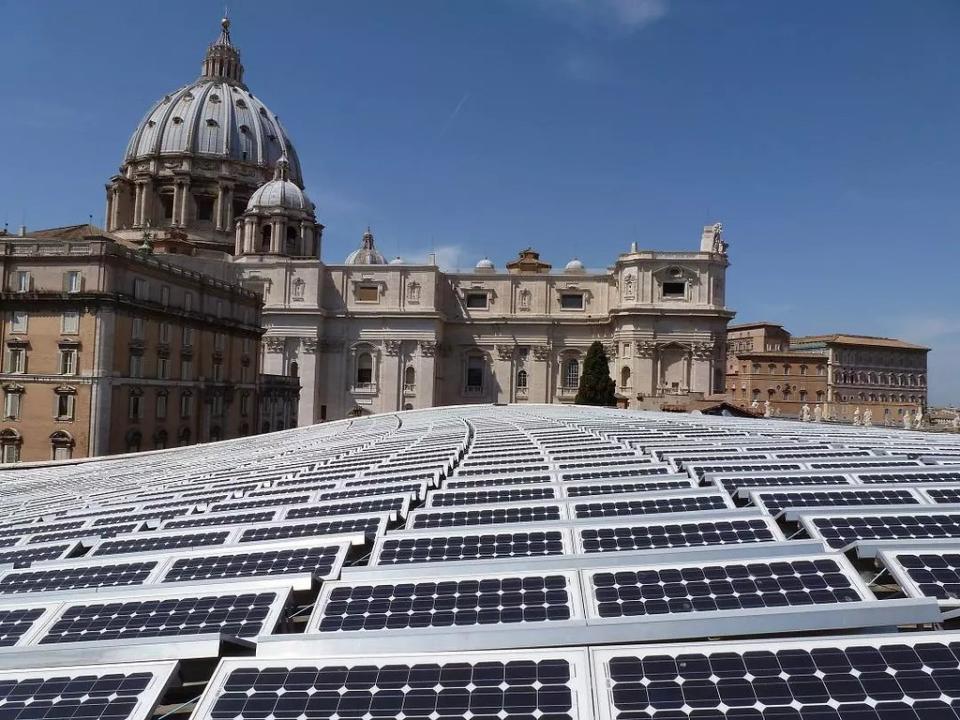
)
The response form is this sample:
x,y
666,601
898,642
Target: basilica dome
x,y
199,155
280,192
366,254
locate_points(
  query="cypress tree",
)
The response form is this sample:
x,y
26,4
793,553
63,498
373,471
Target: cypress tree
x,y
596,385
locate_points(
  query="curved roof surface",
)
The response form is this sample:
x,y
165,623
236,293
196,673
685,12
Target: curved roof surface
x,y
525,561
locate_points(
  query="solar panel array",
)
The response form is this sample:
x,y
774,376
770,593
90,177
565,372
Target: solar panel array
x,y
488,563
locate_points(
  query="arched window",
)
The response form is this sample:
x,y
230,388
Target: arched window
x,y
571,373
10,441
625,377
407,406
215,434
133,439
756,393
409,378
266,234
364,370
160,440
183,437
819,396
521,380
61,445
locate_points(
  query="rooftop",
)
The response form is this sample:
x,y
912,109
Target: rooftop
x,y
847,339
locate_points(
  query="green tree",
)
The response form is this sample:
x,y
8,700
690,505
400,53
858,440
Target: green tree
x,y
596,385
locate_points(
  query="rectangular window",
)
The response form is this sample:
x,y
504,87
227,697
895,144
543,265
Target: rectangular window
x,y
140,289
164,295
204,205
16,360
136,366
161,407
20,282
72,281
803,369
571,301
674,289
218,341
218,372
164,332
186,369
163,368
244,404
187,338
368,293
244,374
217,409
19,321
188,301
70,322
135,407
11,453
186,405
219,308
68,362
474,374
476,301
246,345
137,328
11,406
66,402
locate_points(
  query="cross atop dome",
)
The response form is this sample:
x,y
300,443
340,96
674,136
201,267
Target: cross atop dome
x,y
223,59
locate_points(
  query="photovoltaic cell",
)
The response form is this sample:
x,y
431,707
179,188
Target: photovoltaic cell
x,y
420,690
447,603
574,491
168,542
944,495
487,516
353,508
895,678
735,586
937,575
481,497
32,555
74,578
732,484
368,526
15,623
318,560
840,531
909,477
237,615
204,521
775,502
484,546
670,535
617,508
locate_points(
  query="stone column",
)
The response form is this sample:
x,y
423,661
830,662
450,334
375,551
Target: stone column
x,y
218,210
307,411
644,373
273,358
539,375
391,376
137,203
184,195
701,372
503,373
175,210
426,374
275,241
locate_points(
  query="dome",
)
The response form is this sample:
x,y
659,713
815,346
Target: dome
x,y
574,266
366,254
216,117
398,261
280,192
485,264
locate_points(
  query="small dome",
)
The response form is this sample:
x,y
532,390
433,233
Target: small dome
x,y
366,254
280,192
574,266
398,261
485,264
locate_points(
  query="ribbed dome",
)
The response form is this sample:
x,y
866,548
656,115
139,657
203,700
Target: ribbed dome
x,y
366,254
280,192
485,264
215,116
574,266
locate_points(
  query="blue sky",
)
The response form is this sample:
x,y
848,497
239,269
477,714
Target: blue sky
x,y
823,134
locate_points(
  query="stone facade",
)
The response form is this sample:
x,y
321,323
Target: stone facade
x,y
109,350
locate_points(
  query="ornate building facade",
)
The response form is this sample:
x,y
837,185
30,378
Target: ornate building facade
x,y
210,172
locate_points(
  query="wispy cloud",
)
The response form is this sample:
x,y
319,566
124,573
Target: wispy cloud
x,y
453,115
622,15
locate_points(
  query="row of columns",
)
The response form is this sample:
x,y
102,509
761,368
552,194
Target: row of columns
x,y
144,196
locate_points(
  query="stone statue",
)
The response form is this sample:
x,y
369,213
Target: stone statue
x,y
856,415
755,404
805,413
868,417
955,423
907,424
767,410
918,418
818,414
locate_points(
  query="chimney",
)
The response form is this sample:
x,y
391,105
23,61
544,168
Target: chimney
x,y
23,231
633,247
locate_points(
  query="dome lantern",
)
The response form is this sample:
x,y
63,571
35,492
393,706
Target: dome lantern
x,y
366,254
223,59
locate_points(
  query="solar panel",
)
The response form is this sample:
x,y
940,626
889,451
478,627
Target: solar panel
x,y
549,684
775,502
19,624
36,553
751,586
732,483
619,488
651,505
370,526
397,549
96,692
310,556
215,610
843,530
881,677
926,571
482,497
205,521
483,600
75,576
613,537
493,515
358,507
922,476
159,541
942,496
